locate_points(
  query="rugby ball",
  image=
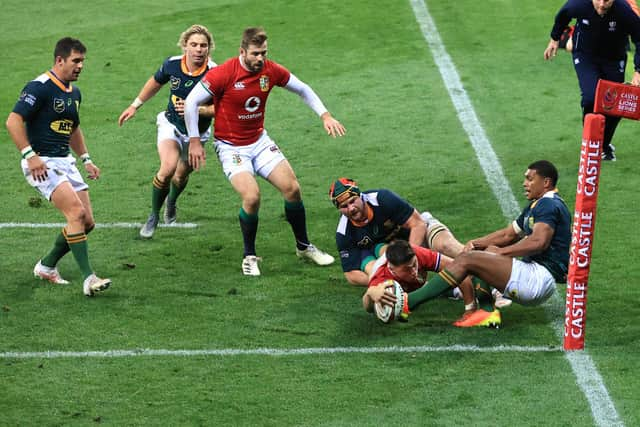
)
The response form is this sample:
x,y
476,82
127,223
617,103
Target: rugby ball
x,y
388,313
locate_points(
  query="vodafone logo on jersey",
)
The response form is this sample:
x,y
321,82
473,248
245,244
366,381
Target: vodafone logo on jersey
x,y
252,104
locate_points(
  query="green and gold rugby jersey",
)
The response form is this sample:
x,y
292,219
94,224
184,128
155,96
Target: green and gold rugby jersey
x,y
50,109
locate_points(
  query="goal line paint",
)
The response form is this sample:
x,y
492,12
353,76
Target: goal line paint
x,y
277,352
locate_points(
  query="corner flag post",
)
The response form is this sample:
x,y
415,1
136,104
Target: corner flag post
x,y
584,221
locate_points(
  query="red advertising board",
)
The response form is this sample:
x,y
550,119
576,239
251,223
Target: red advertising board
x,y
617,99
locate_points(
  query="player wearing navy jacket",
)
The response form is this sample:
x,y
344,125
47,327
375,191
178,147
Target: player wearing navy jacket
x,y
600,42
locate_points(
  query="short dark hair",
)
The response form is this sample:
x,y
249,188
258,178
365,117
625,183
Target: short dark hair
x,y
253,36
66,45
545,169
399,252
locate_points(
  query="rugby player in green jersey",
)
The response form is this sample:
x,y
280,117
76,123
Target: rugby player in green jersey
x,y
45,126
182,73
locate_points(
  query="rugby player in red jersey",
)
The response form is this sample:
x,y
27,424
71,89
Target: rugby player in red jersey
x,y
240,88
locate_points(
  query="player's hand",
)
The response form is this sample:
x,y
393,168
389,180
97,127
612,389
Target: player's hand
x,y
93,171
197,155
551,50
332,126
636,78
377,294
38,168
127,114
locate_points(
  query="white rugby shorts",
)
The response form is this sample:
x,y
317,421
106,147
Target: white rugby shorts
x,y
259,158
167,131
530,283
60,169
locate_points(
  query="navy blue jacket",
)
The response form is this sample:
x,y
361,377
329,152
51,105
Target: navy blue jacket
x,y
600,37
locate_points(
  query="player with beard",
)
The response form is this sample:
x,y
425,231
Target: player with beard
x,y
239,89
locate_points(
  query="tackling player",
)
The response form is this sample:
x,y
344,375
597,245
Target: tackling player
x,y
373,218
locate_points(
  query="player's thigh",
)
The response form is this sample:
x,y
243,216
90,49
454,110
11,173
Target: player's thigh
x,y
169,153
183,170
284,179
246,185
492,268
66,200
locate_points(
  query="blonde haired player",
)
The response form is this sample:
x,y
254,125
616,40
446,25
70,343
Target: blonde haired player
x,y
182,73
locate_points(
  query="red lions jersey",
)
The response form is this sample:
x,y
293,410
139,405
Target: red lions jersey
x,y
428,260
240,98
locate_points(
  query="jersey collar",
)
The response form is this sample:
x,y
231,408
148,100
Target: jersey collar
x,y
65,87
367,220
185,69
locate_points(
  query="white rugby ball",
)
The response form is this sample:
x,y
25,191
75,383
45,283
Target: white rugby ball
x,y
388,313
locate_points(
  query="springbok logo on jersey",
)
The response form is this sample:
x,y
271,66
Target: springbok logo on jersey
x,y
365,242
175,82
252,104
58,105
264,83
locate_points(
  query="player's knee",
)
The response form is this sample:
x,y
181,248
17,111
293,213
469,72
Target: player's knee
x,y
465,259
292,192
165,175
180,179
251,201
77,214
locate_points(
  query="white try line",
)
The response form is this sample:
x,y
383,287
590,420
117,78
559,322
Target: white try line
x,y
103,225
277,352
588,377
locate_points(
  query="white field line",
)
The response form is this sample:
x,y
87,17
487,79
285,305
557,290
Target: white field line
x,y
276,351
588,377
106,225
